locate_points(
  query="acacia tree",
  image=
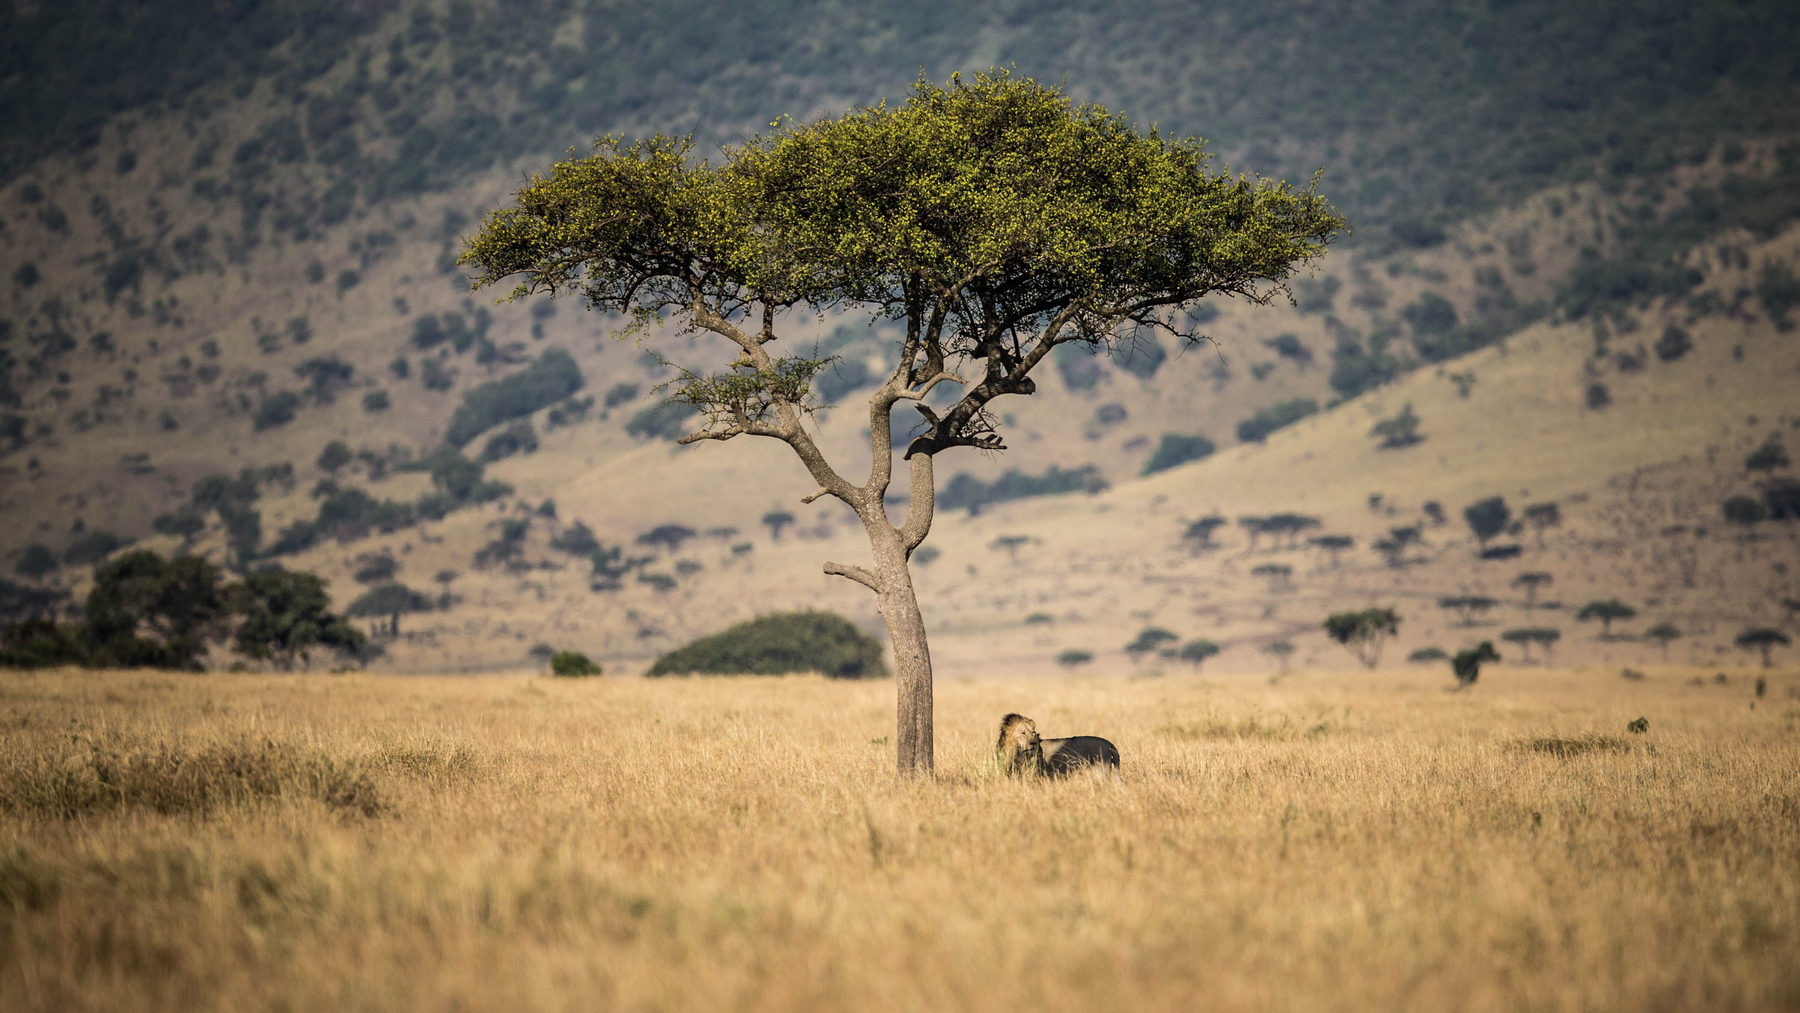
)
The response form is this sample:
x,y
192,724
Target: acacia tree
x,y
993,220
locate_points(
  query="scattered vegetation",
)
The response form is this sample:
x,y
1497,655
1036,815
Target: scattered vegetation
x,y
778,644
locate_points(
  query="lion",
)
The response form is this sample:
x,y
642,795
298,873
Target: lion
x,y
1022,751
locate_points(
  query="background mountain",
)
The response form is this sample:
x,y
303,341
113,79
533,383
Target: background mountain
x,y
230,320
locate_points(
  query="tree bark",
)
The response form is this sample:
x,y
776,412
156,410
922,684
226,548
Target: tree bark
x,y
899,604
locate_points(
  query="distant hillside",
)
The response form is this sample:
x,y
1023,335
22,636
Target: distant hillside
x,y
230,319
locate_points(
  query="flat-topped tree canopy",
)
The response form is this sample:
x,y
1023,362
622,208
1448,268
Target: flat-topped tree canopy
x,y
992,219
995,218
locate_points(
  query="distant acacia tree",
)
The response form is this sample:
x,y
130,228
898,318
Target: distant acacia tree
x,y
1334,546
1195,652
1149,640
776,520
1399,431
148,611
1526,636
1606,611
1663,633
667,536
1768,457
1279,575
1393,547
1542,517
1531,582
1288,525
286,616
1466,666
1073,657
1012,544
1364,632
993,220
1198,536
1763,639
1467,606
1487,518
1281,651
1426,655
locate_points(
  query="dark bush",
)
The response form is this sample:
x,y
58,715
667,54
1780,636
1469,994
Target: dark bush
x,y
966,492
1673,344
518,438
779,644
275,410
572,664
551,378
1257,427
1176,449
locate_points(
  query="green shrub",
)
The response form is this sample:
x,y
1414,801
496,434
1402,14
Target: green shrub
x,y
778,644
1176,449
666,421
572,664
275,410
966,492
551,378
518,438
1257,427
376,401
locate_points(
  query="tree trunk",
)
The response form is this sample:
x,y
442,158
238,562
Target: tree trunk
x,y
913,747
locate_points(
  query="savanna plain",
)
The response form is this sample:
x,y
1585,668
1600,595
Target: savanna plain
x,y
1329,841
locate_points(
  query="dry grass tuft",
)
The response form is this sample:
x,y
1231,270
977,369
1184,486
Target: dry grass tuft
x,y
1564,747
87,777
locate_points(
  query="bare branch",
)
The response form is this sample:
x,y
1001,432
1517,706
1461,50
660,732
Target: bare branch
x,y
856,573
810,499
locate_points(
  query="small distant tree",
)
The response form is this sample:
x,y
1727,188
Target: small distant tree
x,y
1195,652
376,569
776,520
541,653
1487,518
1606,611
1663,633
1546,637
1428,655
1467,606
1744,511
35,561
1012,544
1253,526
1542,517
572,664
1199,534
1399,431
1279,575
1466,666
667,536
391,600
1768,457
1288,525
1393,548
1334,545
1364,632
1532,582
1148,641
1073,657
1763,639
1281,650
334,457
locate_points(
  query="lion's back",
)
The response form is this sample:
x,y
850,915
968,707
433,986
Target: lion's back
x,y
1062,756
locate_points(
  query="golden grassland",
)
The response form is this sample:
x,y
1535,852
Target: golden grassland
x,y
1331,841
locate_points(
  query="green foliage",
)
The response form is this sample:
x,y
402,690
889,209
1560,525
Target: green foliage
x,y
1364,632
334,457
92,547
668,537
286,616
1607,612
1073,657
1768,457
35,561
1431,316
1195,652
1357,366
1428,655
1488,517
1176,449
1398,431
274,410
1257,427
147,611
1149,639
1762,639
518,438
778,644
669,420
376,401
572,664
1198,535
389,600
1673,344
551,378
966,492
1744,511
1289,346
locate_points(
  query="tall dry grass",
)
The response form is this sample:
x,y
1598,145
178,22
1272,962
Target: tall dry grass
x,y
1333,842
